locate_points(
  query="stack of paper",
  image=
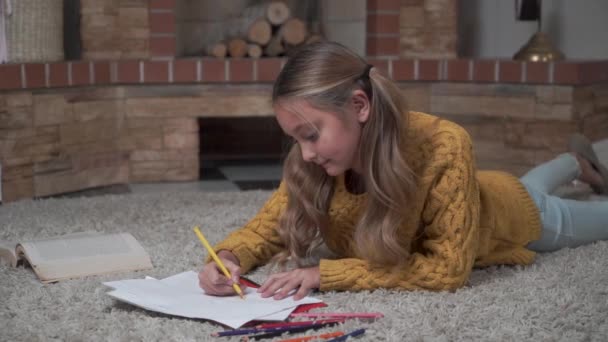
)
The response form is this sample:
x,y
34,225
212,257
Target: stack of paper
x,y
180,295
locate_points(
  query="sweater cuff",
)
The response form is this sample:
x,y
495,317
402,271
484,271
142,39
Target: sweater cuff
x,y
340,274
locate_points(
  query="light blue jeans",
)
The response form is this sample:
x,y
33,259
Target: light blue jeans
x,y
566,223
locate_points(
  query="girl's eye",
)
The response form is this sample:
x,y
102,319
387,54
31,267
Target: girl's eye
x,y
312,137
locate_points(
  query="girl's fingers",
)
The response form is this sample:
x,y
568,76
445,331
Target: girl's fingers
x,y
274,284
303,291
213,282
285,290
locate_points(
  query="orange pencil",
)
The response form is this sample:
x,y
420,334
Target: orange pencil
x,y
308,338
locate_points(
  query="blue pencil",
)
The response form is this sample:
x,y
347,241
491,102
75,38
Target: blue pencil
x,y
350,334
278,330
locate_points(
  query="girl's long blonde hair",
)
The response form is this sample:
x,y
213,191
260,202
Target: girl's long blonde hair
x,y
325,74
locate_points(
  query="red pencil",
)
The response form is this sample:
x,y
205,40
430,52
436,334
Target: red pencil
x,y
298,323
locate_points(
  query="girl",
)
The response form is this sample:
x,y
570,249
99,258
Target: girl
x,y
394,195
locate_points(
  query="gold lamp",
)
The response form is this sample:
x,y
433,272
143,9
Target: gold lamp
x,y
539,48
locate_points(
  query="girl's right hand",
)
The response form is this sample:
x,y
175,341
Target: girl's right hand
x,y
214,282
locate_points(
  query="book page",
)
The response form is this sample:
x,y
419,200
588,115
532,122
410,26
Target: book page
x,y
75,256
7,253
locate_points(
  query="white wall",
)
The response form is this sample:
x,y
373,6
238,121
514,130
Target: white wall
x,y
488,29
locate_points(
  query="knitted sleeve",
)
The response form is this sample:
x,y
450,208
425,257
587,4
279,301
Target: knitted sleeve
x,y
450,218
257,241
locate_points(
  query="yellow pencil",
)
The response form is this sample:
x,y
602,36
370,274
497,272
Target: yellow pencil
x,y
217,260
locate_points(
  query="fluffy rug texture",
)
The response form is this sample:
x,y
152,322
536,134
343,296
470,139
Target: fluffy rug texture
x,y
562,296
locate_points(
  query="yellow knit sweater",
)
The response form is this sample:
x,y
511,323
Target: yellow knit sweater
x,y
467,218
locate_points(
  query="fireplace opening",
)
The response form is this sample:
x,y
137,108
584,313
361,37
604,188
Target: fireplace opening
x,y
257,143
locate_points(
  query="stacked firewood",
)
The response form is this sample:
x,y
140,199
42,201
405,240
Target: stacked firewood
x,y
266,29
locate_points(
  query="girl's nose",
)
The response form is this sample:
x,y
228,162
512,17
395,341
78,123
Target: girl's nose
x,y
308,154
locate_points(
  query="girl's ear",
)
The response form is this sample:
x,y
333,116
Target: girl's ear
x,y
361,105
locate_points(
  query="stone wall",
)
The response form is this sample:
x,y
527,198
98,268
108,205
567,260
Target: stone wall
x,y
114,29
61,140
428,28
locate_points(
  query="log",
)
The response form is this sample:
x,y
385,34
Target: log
x,y
254,51
293,31
253,29
218,50
275,46
237,47
313,38
277,13
259,31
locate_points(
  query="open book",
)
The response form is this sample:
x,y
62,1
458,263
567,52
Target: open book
x,y
77,255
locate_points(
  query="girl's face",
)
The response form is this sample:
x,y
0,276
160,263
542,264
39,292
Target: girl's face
x,y
328,139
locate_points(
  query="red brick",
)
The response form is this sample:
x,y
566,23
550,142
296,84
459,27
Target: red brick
x,y
156,72
403,70
10,76
382,46
510,72
268,69
428,70
214,70
162,46
537,72
566,73
34,75
127,72
383,23
383,5
163,22
241,70
162,4
381,65
184,70
594,72
458,70
483,71
101,72
80,73
58,75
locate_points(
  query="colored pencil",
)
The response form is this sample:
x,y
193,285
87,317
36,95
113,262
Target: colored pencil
x,y
289,330
350,334
217,260
248,282
321,336
339,314
279,330
298,323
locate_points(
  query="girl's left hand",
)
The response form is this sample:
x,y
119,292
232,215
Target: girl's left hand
x,y
279,285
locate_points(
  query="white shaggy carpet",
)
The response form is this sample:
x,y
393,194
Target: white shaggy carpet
x,y
562,297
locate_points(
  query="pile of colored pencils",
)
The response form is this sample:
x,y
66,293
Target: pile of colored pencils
x,y
318,321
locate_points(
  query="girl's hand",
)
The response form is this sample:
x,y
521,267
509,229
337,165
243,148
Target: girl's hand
x,y
214,282
281,284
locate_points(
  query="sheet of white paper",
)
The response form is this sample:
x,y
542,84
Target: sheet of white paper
x,y
180,295
277,316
